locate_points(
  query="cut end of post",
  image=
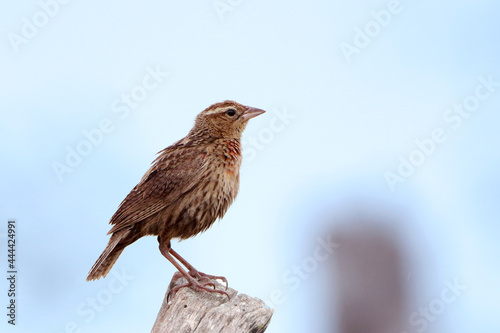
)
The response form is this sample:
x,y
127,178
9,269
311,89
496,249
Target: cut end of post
x,y
187,310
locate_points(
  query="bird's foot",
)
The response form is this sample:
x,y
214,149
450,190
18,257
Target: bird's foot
x,y
196,285
200,276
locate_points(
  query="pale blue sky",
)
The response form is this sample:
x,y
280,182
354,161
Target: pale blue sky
x,y
349,121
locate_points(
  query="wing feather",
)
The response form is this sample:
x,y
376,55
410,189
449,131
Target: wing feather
x,y
175,172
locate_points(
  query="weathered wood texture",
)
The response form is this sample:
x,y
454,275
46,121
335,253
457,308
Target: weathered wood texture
x,y
189,311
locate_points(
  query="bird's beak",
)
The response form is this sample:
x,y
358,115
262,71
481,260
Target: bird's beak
x,y
251,112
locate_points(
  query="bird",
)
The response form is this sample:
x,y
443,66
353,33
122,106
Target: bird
x,y
188,187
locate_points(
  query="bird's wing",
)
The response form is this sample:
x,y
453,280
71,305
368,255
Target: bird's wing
x,y
176,171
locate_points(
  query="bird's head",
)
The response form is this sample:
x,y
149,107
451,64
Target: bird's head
x,y
227,119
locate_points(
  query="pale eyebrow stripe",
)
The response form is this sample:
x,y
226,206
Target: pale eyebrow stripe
x,y
217,110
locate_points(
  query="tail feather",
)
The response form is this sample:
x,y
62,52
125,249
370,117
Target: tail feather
x,y
106,260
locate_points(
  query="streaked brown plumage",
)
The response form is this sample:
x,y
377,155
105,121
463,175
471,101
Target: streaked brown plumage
x,y
189,185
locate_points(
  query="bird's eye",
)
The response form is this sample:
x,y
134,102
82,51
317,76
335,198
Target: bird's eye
x,y
230,112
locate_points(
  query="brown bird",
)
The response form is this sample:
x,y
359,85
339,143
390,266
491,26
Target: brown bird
x,y
191,184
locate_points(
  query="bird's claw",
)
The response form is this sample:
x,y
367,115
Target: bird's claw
x,y
202,276
209,284
197,286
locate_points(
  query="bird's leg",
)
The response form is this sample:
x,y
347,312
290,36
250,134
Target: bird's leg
x,y
194,272
191,281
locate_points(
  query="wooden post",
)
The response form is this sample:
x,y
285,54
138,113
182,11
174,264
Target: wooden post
x,y
189,311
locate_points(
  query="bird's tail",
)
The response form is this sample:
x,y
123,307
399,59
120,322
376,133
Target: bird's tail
x,y
107,259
